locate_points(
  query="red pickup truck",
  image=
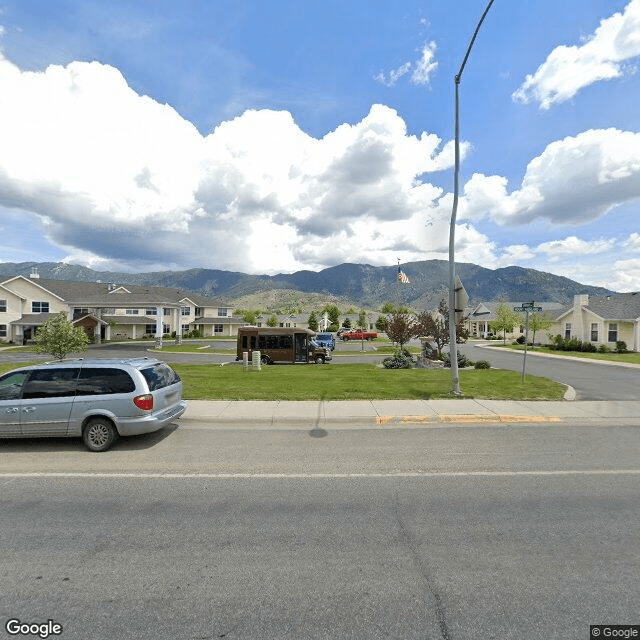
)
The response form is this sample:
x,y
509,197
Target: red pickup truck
x,y
359,335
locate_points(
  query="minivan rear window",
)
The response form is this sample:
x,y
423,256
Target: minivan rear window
x,y
95,381
159,376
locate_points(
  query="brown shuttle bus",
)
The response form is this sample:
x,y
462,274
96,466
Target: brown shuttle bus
x,y
281,344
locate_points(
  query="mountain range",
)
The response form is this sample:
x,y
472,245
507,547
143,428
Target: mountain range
x,y
364,284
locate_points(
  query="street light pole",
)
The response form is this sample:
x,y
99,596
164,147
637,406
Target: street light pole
x,y
453,347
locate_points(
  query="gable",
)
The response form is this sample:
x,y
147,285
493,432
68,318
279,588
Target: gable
x,y
29,289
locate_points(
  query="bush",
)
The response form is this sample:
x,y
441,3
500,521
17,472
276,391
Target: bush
x,y
482,364
520,340
463,361
621,346
572,344
401,359
604,349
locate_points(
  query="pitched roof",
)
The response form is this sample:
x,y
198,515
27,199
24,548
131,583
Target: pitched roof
x,y
620,306
103,294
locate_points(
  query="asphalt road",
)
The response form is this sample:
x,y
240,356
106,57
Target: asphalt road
x,y
591,380
211,532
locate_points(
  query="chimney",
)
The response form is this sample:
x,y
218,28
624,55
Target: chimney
x,y
34,273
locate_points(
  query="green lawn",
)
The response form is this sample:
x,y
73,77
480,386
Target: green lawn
x,y
350,382
356,382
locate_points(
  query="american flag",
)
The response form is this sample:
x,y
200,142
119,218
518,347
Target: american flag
x,y
402,277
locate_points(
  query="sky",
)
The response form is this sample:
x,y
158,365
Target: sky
x,y
270,136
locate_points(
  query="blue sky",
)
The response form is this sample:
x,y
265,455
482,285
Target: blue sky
x,y
272,136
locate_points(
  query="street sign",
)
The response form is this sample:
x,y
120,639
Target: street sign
x,y
461,299
522,309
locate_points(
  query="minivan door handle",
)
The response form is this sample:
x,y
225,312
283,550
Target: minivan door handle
x,y
13,410
29,409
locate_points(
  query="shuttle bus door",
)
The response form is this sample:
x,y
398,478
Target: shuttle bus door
x,y
301,347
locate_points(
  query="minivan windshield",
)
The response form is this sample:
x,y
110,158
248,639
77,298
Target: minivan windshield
x,y
160,375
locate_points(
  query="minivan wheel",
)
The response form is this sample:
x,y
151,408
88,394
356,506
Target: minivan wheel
x,y
265,360
319,360
99,434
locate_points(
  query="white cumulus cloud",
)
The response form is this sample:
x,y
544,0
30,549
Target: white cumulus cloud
x,y
115,176
568,69
574,180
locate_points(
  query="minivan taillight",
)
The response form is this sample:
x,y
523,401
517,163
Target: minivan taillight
x,y
144,402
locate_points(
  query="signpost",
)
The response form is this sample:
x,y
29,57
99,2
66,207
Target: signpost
x,y
526,308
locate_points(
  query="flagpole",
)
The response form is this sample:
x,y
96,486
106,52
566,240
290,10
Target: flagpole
x,y
398,287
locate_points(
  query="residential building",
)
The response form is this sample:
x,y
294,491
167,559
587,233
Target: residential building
x,y
108,311
478,319
602,320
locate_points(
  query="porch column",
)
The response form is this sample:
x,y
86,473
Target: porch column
x,y
177,318
159,316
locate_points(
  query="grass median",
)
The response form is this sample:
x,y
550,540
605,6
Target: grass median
x,y
350,382
356,382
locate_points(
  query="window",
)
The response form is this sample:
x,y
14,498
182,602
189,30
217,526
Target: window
x,y
567,331
275,342
166,328
39,307
160,376
11,385
80,311
594,332
218,328
184,328
199,312
185,311
149,329
167,312
3,330
151,311
223,312
3,306
132,312
97,381
613,332
51,383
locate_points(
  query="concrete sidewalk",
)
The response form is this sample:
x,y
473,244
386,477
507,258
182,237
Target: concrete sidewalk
x,y
404,412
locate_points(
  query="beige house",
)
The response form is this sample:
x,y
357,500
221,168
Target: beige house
x,y
602,320
478,319
108,311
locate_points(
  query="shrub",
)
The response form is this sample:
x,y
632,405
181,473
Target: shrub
x,y
603,348
482,364
401,359
520,339
463,361
621,346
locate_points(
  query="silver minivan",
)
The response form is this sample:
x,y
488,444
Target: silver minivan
x,y
97,400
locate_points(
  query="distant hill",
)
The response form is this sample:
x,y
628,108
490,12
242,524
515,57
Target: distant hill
x,y
365,285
